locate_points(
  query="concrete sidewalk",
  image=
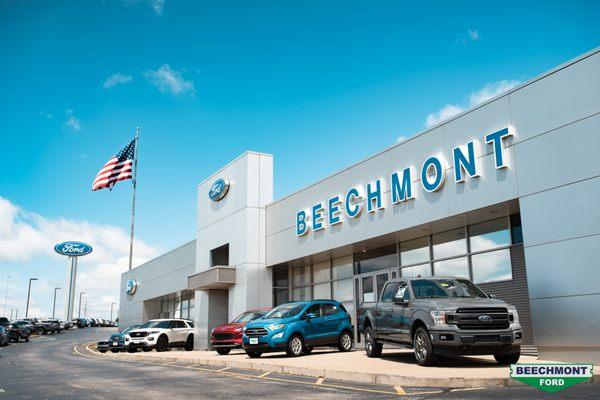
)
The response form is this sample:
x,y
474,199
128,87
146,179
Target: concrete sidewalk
x,y
396,367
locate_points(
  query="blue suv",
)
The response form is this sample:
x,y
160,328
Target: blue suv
x,y
299,326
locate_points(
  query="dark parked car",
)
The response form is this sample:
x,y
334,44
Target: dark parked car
x,y
16,332
3,336
441,316
26,325
41,327
118,341
54,325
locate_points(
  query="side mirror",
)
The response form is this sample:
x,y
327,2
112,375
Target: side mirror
x,y
310,316
491,296
401,301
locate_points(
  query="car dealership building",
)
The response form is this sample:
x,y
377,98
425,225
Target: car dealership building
x,y
506,193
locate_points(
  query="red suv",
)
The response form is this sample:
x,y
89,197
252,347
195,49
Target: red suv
x,y
225,337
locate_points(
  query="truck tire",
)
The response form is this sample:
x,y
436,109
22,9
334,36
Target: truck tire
x,y
507,359
423,348
162,344
253,354
40,330
223,351
345,342
372,348
189,343
295,346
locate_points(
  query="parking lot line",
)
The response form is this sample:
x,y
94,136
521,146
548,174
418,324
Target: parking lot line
x,y
224,369
319,381
399,390
265,374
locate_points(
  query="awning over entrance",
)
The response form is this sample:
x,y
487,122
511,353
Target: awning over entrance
x,y
217,277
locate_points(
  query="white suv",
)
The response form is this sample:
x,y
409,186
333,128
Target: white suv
x,y
162,334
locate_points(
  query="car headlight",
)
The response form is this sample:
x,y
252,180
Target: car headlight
x,y
238,330
274,327
278,335
515,314
439,318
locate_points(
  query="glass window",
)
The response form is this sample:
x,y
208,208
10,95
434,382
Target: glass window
x,y
342,290
453,267
381,280
281,296
300,276
342,267
492,266
280,277
321,272
376,259
388,293
402,291
285,311
424,288
448,244
368,290
329,309
416,271
322,291
301,293
314,309
414,251
489,235
516,229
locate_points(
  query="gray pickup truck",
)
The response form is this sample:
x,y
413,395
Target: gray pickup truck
x,y
440,316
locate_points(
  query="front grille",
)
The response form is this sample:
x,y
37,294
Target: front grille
x,y
487,338
468,318
256,332
138,334
223,336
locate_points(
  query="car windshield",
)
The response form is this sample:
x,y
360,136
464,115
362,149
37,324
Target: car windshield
x,y
454,288
285,311
249,316
156,324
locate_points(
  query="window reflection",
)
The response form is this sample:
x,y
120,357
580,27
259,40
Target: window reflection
x,y
489,235
450,243
414,251
453,267
416,271
492,266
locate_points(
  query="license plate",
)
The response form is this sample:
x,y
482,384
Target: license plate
x,y
253,340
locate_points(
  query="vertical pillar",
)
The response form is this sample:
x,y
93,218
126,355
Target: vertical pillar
x,y
70,292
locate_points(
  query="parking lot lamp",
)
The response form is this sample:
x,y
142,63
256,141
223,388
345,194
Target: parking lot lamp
x,y
28,296
6,293
80,294
111,309
54,302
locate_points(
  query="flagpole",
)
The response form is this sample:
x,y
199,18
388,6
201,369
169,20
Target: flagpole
x,y
135,158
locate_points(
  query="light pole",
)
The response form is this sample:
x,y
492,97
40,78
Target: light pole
x,y
6,293
28,296
80,293
54,302
111,310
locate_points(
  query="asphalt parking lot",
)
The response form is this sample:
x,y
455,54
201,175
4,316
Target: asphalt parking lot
x,y
60,367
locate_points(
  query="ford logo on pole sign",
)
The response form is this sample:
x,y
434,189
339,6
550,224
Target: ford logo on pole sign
x,y
73,249
219,189
131,287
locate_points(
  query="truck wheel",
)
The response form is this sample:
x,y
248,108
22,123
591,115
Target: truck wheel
x,y
189,343
253,354
162,344
423,348
114,350
223,352
372,348
295,346
506,359
40,331
345,342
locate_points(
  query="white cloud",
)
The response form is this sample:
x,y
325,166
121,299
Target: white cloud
x,y
490,90
473,35
116,79
27,239
401,139
169,80
46,114
72,121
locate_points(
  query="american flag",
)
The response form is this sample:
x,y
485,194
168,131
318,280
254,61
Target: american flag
x,y
116,169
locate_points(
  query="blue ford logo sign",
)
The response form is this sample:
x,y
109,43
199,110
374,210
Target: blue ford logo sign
x,y
131,287
73,249
485,318
219,189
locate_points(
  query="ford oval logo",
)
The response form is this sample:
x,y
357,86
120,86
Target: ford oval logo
x,y
485,318
219,189
131,287
73,249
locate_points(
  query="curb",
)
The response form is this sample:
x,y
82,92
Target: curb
x,y
342,375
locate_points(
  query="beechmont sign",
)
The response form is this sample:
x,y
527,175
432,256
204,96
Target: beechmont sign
x,y
432,173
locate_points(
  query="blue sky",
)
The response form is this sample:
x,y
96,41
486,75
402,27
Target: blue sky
x,y
208,80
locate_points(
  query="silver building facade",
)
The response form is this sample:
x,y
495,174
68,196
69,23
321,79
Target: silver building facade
x,y
505,193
